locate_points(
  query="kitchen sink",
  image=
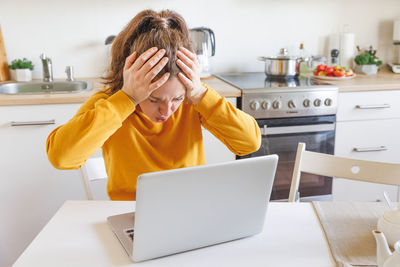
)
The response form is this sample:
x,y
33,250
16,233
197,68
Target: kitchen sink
x,y
14,88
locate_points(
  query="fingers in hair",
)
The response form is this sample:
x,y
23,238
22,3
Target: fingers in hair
x,y
157,84
188,53
129,60
153,61
188,61
143,58
188,71
157,68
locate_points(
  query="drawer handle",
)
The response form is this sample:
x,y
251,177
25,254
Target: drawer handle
x,y
370,149
373,106
31,123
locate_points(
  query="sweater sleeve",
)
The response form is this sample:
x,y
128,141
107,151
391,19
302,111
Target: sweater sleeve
x,y
233,127
70,145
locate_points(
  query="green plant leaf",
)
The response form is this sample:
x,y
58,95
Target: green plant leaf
x,y
21,64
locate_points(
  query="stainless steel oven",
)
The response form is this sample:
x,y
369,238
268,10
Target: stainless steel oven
x,y
290,111
281,136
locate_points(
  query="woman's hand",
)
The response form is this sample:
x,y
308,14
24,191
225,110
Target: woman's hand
x,y
187,62
138,74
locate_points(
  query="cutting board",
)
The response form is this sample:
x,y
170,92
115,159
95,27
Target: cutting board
x,y
4,71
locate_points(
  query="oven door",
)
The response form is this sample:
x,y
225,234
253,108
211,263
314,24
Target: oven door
x,y
281,136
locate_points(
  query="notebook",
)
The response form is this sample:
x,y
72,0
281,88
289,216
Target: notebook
x,y
189,208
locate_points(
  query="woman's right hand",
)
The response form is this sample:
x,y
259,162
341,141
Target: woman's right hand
x,y
138,74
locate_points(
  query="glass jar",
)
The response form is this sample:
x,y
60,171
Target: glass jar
x,y
315,61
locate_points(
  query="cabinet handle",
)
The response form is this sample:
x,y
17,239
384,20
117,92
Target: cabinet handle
x,y
370,149
373,106
31,123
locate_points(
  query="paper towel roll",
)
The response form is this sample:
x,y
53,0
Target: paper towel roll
x,y
347,49
396,31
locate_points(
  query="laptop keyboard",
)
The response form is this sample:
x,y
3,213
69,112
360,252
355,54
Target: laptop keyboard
x,y
129,232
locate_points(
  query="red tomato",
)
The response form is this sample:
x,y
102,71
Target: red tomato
x,y
339,72
329,70
330,74
316,73
321,67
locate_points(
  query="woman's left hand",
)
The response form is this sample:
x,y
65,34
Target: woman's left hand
x,y
187,62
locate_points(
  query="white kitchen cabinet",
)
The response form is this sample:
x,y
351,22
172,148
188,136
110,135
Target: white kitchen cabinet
x,y
31,189
368,127
215,151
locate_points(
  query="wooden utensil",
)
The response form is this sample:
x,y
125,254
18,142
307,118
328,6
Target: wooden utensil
x,y
4,71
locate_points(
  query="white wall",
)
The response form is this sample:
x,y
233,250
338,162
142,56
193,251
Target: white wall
x,y
73,32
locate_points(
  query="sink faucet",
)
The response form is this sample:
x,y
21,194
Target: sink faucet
x,y
47,68
69,70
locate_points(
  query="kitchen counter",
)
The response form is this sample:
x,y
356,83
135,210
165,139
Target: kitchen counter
x,y
384,80
224,89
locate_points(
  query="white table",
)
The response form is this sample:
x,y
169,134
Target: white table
x,y
78,235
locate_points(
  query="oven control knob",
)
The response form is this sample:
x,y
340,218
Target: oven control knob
x,y
291,104
306,103
254,105
265,105
317,102
276,104
328,102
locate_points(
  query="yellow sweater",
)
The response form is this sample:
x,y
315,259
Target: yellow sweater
x,y
132,144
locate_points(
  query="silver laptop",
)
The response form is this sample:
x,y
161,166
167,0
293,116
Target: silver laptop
x,y
189,208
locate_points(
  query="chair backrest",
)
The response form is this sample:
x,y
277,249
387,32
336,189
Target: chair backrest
x,y
329,165
93,170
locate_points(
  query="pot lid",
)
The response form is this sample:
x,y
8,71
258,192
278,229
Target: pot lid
x,y
283,55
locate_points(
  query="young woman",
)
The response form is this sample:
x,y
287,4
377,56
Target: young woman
x,y
150,117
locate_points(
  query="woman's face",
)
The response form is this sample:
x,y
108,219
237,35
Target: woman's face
x,y
164,101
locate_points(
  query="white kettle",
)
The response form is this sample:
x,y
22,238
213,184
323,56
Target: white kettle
x,y
203,41
384,256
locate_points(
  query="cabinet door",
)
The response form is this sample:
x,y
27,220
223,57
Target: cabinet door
x,y
376,140
215,151
31,189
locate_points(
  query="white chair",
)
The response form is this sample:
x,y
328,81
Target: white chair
x,y
91,172
329,165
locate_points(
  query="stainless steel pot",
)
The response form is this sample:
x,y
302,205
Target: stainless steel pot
x,y
282,65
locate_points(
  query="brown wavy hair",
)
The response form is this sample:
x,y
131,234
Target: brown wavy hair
x,y
166,29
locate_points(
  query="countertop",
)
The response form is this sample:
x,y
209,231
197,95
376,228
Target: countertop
x,y
384,80
224,89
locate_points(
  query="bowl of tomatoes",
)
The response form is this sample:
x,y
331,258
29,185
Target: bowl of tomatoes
x,y
326,72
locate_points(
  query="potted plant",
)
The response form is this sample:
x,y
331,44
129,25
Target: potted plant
x,y
21,70
367,63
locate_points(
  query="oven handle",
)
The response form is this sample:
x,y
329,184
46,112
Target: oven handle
x,y
297,129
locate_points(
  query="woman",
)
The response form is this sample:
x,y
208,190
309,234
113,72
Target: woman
x,y
142,122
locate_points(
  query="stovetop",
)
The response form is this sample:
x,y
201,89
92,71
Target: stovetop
x,y
258,80
264,97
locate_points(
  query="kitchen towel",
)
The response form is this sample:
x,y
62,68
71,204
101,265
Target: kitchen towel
x,y
348,228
